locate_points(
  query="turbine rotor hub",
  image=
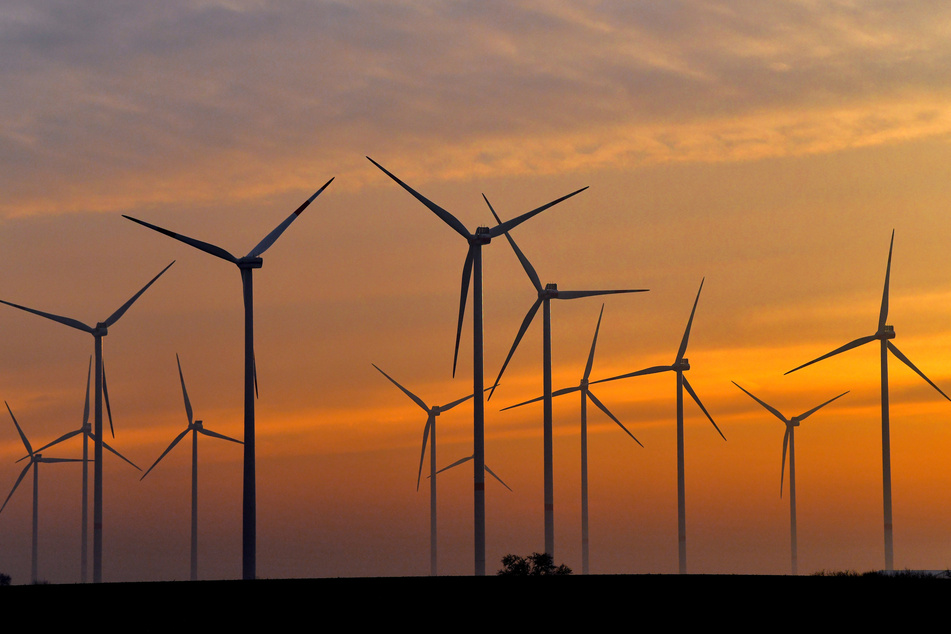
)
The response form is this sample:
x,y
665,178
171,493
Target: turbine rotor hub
x,y
482,236
550,292
250,263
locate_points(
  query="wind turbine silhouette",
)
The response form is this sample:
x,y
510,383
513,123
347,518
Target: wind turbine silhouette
x,y
789,441
429,436
586,393
884,334
86,431
472,269
680,365
35,459
195,427
246,265
100,330
545,295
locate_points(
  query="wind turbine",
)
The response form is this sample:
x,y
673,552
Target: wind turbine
x,y
789,441
246,265
680,365
35,459
429,435
100,330
195,427
472,269
585,395
86,431
884,334
545,295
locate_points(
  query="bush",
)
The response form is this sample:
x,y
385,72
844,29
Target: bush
x,y
535,565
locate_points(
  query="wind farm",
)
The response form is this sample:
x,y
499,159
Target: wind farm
x,y
743,147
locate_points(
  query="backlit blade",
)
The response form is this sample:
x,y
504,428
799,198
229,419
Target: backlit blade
x,y
508,225
769,408
214,434
269,239
444,215
782,470
521,332
456,464
86,406
165,453
594,343
604,409
529,269
16,484
62,438
446,408
26,443
188,405
105,396
803,417
121,456
119,313
422,454
579,294
852,344
704,409
198,244
567,390
463,296
652,370
491,473
415,398
883,315
904,359
683,343
72,323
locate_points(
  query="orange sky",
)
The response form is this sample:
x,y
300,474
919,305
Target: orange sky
x,y
768,149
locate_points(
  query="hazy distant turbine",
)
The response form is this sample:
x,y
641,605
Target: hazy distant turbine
x,y
473,269
679,366
98,332
585,395
884,334
789,441
246,265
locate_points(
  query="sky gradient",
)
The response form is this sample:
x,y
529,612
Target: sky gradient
x,y
768,148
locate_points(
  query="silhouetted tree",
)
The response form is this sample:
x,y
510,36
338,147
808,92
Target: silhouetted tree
x,y
4,579
535,565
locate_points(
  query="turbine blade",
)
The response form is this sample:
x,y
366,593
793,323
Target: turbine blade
x,y
491,473
578,294
508,225
214,434
188,405
269,239
852,344
683,343
782,470
594,399
883,315
815,409
521,331
72,323
594,343
62,438
422,454
119,313
529,269
16,484
567,390
415,398
456,464
53,460
444,215
254,371
652,370
198,244
86,406
464,295
906,361
105,396
446,408
26,443
704,409
165,453
120,455
769,408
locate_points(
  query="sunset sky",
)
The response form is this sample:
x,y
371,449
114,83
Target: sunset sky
x,y
768,148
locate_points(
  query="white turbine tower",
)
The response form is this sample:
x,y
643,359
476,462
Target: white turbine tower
x,y
98,331
35,459
246,265
472,269
884,334
86,431
789,442
680,365
195,427
586,394
545,295
429,436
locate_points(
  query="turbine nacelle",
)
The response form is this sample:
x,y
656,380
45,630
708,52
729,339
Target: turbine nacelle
x,y
681,365
250,263
887,332
101,330
482,235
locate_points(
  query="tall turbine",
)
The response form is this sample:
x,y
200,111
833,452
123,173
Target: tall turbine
x,y
86,431
680,365
246,265
789,441
99,331
429,436
545,295
585,395
884,334
195,427
473,269
35,459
